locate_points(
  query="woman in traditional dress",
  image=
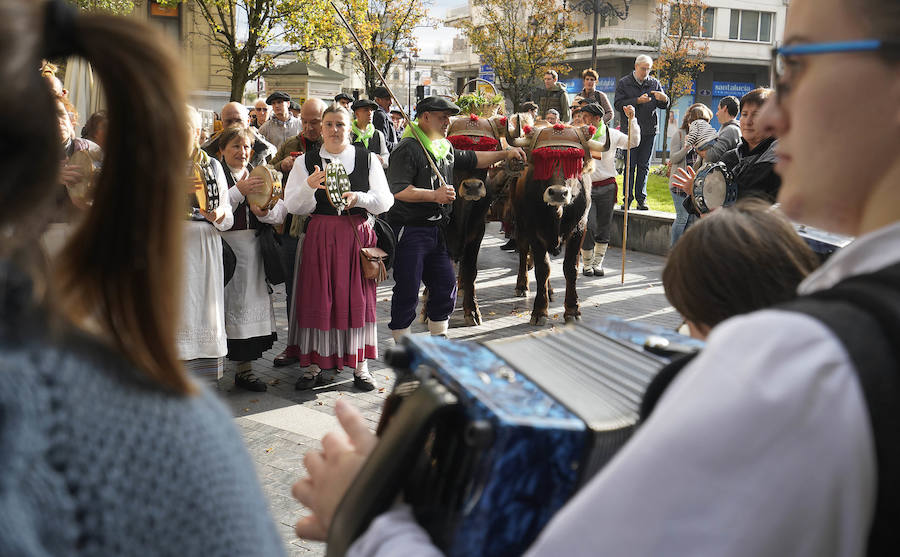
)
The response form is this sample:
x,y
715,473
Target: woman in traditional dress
x,y
364,132
200,336
249,315
336,321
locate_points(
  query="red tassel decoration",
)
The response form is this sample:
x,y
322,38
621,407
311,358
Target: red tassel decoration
x,y
527,129
559,126
502,121
473,143
473,117
592,130
547,159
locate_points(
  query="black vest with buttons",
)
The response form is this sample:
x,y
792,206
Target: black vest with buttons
x,y
359,180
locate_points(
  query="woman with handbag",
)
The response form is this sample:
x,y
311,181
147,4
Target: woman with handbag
x,y
249,314
336,320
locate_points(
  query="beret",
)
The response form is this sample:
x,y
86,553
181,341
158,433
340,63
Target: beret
x,y
363,103
278,96
436,104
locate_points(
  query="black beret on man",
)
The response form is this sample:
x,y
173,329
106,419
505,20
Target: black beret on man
x,y
381,93
278,96
343,97
436,104
593,108
294,105
364,103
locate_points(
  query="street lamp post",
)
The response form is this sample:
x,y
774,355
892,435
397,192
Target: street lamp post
x,y
411,58
599,8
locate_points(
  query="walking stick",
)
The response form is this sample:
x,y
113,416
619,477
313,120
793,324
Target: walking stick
x,y
627,191
389,90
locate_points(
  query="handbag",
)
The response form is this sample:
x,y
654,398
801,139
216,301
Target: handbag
x,y
371,260
386,240
270,249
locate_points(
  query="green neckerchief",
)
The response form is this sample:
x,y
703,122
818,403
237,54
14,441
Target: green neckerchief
x,y
600,134
439,148
363,135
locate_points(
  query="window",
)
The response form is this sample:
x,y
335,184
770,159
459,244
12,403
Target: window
x,y
396,75
747,25
689,25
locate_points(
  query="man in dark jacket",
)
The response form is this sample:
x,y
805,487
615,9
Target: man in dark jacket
x,y
552,95
645,94
381,118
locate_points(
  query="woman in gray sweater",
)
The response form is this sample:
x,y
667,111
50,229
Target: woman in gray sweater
x,y
107,446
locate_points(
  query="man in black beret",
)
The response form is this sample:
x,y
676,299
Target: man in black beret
x,y
294,108
282,124
344,100
364,132
421,210
381,119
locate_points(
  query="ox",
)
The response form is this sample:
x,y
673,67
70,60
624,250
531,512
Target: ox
x,y
550,202
476,191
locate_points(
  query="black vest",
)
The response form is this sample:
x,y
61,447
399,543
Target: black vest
x,y
243,217
359,180
864,313
374,143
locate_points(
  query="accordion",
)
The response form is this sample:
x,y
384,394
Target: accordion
x,y
486,441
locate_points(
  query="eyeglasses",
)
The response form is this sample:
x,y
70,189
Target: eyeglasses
x,y
262,108
782,56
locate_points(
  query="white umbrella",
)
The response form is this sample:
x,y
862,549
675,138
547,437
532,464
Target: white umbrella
x,y
84,91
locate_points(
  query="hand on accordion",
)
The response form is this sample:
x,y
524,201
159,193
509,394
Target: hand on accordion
x,y
331,471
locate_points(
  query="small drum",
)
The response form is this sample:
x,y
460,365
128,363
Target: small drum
x,y
822,242
714,187
89,165
337,183
273,190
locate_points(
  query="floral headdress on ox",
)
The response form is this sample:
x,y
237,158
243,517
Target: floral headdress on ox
x,y
476,106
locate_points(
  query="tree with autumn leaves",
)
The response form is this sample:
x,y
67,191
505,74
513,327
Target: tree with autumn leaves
x,y
251,34
682,51
520,39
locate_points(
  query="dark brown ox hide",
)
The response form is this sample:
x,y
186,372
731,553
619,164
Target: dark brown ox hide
x,y
550,203
476,191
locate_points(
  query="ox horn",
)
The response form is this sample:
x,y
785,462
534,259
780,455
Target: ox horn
x,y
510,137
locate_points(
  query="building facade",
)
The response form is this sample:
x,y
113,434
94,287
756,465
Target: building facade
x,y
740,34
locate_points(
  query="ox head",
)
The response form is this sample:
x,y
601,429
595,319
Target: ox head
x,y
470,132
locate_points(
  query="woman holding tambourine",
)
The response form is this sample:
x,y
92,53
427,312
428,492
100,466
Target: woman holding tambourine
x,y
249,315
200,336
336,321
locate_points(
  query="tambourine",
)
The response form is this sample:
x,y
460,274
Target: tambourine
x,y
89,165
272,188
714,187
337,183
206,187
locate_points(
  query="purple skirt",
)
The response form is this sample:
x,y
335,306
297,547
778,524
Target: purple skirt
x,y
333,295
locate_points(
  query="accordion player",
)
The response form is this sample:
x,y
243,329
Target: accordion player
x,y
487,441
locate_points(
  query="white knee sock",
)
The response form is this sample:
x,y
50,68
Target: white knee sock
x,y
438,327
599,254
399,333
587,258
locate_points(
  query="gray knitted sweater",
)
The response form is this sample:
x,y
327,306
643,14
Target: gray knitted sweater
x,y
95,460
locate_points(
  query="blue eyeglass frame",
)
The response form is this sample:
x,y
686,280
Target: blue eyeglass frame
x,y
807,49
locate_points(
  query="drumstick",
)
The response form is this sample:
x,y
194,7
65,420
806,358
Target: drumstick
x,y
627,190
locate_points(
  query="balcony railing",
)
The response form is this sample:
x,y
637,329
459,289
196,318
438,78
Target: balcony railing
x,y
615,36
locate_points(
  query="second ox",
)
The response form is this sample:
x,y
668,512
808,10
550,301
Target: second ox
x,y
550,202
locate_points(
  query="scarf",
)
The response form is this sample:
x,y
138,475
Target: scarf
x,y
439,148
363,135
600,134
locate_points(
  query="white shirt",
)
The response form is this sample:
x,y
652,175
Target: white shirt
x,y
761,446
606,166
300,198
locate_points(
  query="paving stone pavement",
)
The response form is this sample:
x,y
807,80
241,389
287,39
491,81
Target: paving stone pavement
x,y
280,425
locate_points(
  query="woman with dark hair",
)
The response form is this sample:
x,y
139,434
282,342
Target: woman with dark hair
x,y
95,128
780,438
734,261
249,315
336,321
108,446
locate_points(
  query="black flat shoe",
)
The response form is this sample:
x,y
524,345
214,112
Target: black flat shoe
x,y
364,381
510,245
642,207
309,380
284,359
246,380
